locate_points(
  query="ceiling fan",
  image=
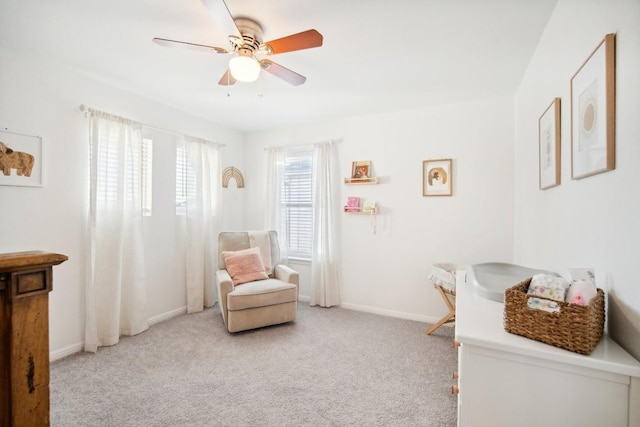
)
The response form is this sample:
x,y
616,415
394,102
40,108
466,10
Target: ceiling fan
x,y
245,38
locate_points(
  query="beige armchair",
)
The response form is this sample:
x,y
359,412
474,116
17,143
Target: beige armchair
x,y
256,303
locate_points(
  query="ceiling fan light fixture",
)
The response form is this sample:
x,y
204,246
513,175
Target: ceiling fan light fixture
x,y
244,68
245,38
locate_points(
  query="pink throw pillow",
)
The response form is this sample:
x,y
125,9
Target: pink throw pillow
x,y
245,265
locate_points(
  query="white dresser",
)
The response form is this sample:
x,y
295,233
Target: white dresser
x,y
508,380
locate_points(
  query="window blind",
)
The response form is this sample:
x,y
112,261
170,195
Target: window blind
x,y
116,173
185,180
297,203
147,176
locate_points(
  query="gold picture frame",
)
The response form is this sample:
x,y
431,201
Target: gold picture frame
x,y
549,146
593,113
437,177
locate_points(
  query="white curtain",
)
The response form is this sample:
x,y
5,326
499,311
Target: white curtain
x,y
325,256
115,291
202,221
273,198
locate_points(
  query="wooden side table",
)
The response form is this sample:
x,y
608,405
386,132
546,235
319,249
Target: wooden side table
x,y
25,283
449,298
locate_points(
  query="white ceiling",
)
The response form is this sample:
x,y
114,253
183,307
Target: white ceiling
x,y
378,55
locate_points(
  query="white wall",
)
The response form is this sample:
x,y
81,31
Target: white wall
x,y
39,97
387,272
592,222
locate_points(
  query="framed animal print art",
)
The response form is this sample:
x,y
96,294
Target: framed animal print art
x,y
437,177
20,159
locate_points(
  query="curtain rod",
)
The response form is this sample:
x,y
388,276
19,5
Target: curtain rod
x,y
87,110
331,141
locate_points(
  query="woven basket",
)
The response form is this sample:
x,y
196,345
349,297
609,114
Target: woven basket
x,y
575,327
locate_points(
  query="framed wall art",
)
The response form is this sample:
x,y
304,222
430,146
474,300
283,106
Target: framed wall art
x,y
437,177
20,159
549,146
361,169
593,112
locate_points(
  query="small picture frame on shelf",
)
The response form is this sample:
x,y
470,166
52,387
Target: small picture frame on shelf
x,y
361,169
437,177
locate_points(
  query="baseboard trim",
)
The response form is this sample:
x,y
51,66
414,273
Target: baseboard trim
x,y
168,315
77,348
390,313
383,312
64,352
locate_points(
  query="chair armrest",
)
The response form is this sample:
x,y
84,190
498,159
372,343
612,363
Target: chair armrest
x,y
224,285
287,274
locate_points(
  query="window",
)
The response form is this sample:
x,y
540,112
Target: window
x,y
297,206
185,180
135,183
147,176
107,173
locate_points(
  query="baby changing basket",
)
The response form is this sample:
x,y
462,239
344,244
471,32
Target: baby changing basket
x,y
575,327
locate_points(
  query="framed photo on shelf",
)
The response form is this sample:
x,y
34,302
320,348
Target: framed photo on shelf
x,y
437,177
549,146
20,159
593,114
361,169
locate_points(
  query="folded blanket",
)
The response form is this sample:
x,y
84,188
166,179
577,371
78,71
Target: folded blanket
x,y
548,286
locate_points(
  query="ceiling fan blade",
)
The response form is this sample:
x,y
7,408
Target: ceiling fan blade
x,y
282,72
220,13
227,79
304,40
187,45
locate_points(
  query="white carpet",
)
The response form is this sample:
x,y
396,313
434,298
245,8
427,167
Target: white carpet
x,y
331,367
